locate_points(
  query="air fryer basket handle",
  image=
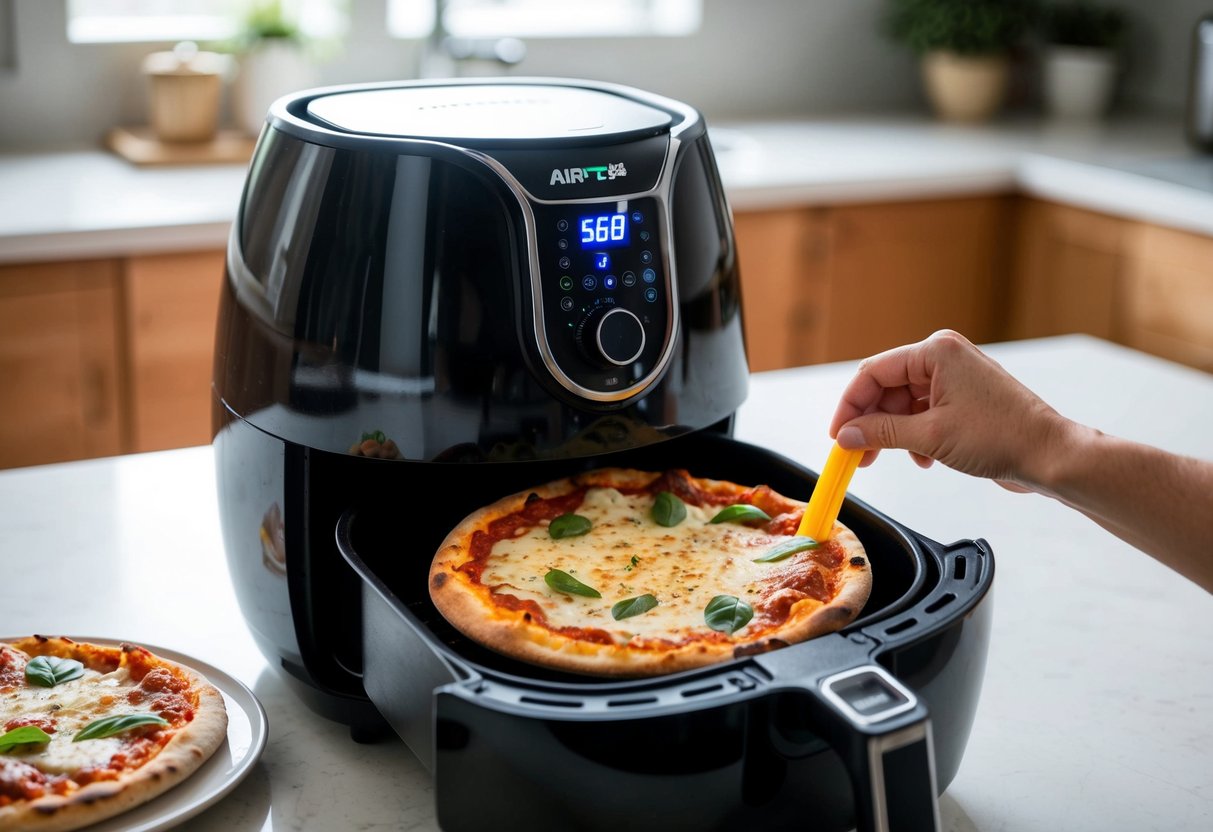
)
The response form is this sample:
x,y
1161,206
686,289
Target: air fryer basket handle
x,y
883,733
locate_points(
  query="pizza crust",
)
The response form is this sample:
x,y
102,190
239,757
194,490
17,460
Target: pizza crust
x,y
190,747
468,605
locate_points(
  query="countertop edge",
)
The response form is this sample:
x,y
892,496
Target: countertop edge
x,y
768,169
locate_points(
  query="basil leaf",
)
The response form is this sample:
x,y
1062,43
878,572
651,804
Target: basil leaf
x,y
727,613
740,513
21,736
566,583
569,525
787,549
111,725
48,671
668,510
633,606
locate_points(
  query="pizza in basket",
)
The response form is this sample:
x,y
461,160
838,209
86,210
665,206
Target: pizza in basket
x,y
88,731
622,572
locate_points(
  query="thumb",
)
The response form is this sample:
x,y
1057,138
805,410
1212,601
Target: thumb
x,y
884,430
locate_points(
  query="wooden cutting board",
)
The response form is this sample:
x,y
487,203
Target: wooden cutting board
x,y
140,146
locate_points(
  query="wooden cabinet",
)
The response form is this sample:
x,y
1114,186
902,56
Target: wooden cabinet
x,y
1069,273
171,305
112,356
826,284
1168,296
105,357
61,376
1142,285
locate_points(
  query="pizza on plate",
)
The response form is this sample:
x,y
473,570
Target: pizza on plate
x,y
88,731
620,572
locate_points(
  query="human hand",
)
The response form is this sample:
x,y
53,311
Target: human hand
x,y
943,399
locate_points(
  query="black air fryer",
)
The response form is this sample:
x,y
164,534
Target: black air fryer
x,y
441,293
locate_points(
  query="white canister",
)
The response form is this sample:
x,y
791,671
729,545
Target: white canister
x,y
1078,81
269,70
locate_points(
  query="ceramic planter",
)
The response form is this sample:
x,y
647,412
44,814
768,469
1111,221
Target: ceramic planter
x,y
1078,81
965,88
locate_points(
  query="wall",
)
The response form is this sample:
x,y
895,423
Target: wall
x,y
757,58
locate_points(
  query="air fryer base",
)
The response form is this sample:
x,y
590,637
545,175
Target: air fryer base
x,y
719,747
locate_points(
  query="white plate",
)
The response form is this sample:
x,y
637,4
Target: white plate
x,y
247,732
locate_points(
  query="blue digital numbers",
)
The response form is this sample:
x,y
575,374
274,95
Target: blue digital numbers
x,y
604,230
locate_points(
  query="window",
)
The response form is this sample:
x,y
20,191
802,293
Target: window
x,y
99,21
547,18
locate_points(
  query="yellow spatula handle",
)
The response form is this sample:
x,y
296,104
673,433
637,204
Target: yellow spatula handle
x,y
824,505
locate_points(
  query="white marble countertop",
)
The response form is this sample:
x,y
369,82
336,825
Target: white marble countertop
x,y
88,203
1097,709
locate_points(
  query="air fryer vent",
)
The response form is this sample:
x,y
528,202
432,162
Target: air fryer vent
x,y
550,702
940,603
901,626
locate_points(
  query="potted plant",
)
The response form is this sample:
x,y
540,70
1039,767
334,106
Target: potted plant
x,y
964,46
273,62
1081,57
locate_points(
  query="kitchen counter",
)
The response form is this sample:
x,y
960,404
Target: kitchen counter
x,y
88,203
1095,714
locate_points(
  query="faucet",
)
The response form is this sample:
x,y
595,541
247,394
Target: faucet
x,y
444,55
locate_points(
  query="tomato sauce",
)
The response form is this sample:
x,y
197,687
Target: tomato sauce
x,y
20,781
46,723
532,513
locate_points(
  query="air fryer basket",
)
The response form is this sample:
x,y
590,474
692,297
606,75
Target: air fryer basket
x,y
825,730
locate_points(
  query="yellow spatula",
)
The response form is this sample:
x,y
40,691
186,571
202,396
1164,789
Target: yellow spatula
x,y
824,505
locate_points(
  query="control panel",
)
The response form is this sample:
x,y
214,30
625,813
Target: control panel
x,y
603,291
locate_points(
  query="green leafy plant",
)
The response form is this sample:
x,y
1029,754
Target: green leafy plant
x,y
264,21
1082,23
966,27
267,20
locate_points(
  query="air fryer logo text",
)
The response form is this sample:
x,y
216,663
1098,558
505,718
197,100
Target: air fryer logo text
x,y
599,173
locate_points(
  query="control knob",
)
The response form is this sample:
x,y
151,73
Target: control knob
x,y
611,336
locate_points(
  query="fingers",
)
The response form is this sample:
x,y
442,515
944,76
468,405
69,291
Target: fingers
x,y
876,431
906,369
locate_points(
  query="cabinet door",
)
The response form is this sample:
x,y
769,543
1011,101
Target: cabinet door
x,y
900,271
1169,296
172,302
60,382
1069,272
782,273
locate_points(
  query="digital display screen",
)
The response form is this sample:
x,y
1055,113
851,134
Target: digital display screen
x,y
600,231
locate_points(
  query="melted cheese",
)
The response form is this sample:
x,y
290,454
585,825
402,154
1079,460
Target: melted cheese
x,y
684,567
72,705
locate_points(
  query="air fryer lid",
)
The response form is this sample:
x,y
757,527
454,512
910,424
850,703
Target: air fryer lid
x,y
489,112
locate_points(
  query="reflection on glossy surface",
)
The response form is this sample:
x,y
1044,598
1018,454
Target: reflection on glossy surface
x,y
371,291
